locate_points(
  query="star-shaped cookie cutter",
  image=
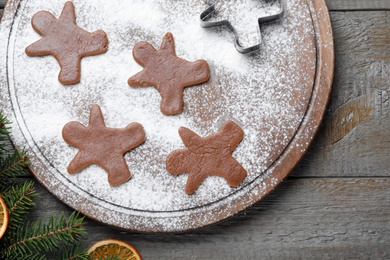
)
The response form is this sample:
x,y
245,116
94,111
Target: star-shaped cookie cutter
x,y
211,10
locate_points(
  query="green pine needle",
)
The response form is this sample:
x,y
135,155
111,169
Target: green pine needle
x,y
35,256
43,236
12,161
19,199
12,166
76,252
4,133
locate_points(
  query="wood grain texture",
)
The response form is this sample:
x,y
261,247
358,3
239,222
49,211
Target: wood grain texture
x,y
355,137
304,218
345,5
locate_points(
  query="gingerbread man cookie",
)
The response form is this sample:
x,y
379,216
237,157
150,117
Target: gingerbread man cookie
x,y
211,155
168,73
67,42
103,146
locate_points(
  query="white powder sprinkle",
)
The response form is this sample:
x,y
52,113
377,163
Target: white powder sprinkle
x,y
266,92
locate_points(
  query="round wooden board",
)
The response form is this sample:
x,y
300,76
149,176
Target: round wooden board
x,y
312,63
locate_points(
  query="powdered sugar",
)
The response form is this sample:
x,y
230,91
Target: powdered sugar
x,y
267,93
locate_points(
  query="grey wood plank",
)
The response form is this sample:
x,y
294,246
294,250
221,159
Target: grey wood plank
x,y
302,219
355,137
344,5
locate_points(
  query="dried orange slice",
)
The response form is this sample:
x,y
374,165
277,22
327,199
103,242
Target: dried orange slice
x,y
3,217
113,248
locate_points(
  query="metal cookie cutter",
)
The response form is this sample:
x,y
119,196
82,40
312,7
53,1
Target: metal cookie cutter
x,y
210,11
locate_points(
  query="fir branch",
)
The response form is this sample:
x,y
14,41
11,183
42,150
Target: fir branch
x,y
35,256
19,200
12,162
76,252
4,133
38,236
12,166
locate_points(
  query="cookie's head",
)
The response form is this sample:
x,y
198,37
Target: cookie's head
x,y
42,22
142,52
100,41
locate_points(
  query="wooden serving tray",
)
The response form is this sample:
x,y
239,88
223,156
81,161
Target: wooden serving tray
x,y
278,95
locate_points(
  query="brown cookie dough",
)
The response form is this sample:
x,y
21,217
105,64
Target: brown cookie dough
x,y
103,146
168,73
67,42
211,155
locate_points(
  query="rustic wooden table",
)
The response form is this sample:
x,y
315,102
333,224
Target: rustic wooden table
x,y
336,203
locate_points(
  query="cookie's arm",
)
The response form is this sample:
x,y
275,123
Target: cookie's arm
x,y
94,43
38,48
190,138
195,73
79,162
141,79
232,134
131,138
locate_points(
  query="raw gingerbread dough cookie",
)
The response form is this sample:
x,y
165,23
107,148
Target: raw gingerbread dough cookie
x,y
103,146
168,73
67,42
211,155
